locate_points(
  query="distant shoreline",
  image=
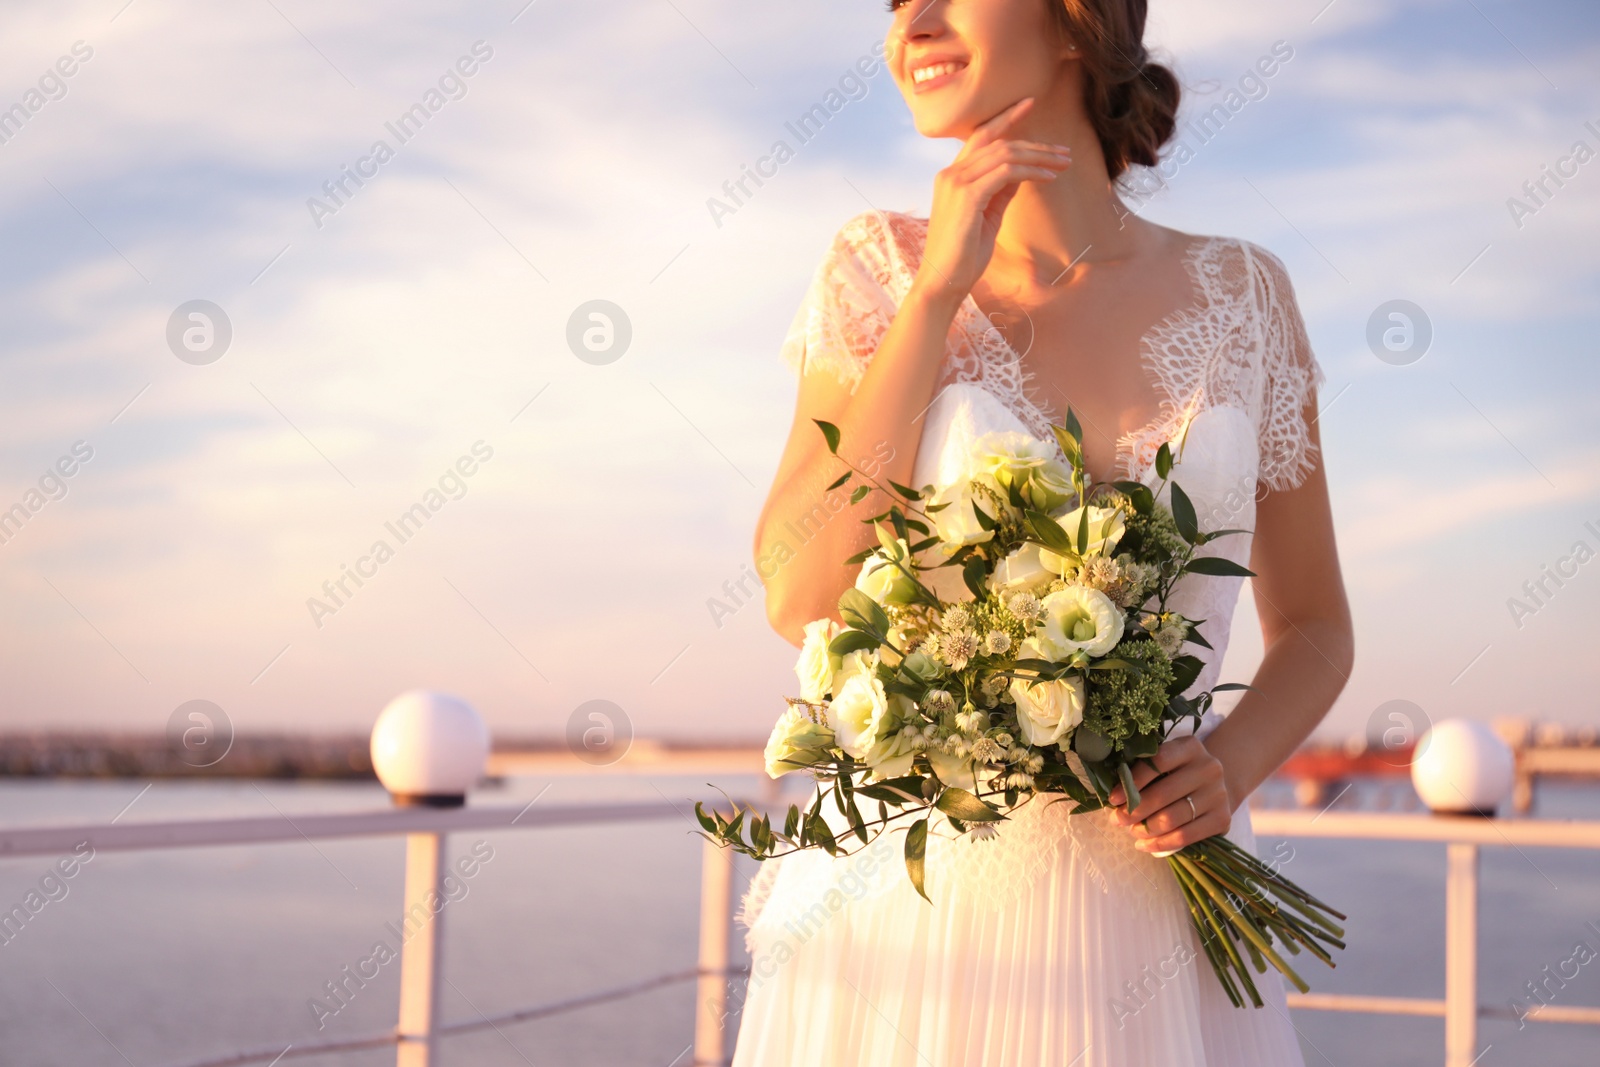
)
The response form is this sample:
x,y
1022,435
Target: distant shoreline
x,y
106,754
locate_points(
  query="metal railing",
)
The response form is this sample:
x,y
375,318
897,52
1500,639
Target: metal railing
x,y
416,1035
1463,837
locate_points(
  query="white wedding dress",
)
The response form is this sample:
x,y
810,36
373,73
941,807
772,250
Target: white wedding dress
x,y
1055,943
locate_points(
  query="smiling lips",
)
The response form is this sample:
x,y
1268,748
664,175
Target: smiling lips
x,y
931,75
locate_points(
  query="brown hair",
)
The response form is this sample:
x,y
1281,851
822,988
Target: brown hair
x,y
1132,101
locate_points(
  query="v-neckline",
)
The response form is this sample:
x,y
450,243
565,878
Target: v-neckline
x,y
1173,413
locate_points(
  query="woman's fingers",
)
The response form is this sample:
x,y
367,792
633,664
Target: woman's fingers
x,y
992,128
1209,824
1170,789
1169,757
1040,153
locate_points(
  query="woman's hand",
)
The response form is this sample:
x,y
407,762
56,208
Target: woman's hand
x,y
970,197
1183,772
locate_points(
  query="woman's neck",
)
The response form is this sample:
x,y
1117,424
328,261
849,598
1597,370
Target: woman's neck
x,y
1077,218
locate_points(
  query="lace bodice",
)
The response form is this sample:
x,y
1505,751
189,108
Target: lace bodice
x,y
1243,343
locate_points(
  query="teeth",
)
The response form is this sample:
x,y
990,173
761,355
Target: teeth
x,y
922,74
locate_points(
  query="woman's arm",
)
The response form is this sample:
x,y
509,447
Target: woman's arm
x,y
1305,626
800,543
1310,648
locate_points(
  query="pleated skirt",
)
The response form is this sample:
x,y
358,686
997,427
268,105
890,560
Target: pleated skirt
x,y
1054,943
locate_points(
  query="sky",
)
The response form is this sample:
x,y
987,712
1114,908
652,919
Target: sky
x,y
409,335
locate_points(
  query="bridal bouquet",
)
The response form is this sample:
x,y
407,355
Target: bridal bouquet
x,y
1061,671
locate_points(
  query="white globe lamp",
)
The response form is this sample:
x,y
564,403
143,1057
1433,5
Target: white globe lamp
x,y
1462,767
429,749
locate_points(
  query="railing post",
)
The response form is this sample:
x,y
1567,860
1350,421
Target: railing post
x,y
422,923
1461,955
716,920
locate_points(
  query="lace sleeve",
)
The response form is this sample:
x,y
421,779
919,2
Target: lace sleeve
x,y
1290,374
848,307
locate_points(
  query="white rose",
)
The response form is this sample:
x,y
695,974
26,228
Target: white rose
x,y
1078,618
885,582
1021,571
814,668
857,714
1048,711
1106,527
797,741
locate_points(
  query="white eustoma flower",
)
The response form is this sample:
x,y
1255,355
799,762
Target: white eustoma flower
x,y
861,661
814,668
885,582
892,755
797,741
1078,618
858,713
1047,712
957,524
1010,457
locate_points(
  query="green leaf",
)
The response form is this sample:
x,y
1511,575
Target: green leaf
x,y
1130,791
916,854
1185,669
845,477
857,823
908,493
974,574
885,538
860,557
1070,445
1090,744
705,820
1083,531
861,611
1142,746
963,805
1225,686
1048,532
896,791
1072,426
791,824
821,834
850,641
859,494
1164,460
1183,514
831,433
1144,502
898,518
1220,566
985,521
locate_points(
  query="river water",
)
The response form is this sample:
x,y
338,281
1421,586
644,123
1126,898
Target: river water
x,y
165,958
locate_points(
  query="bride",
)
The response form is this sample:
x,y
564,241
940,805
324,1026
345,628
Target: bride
x,y
1064,940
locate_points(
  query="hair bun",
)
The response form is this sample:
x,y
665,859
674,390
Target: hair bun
x,y
1131,100
1152,116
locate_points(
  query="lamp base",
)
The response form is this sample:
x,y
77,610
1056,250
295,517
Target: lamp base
x,y
429,800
